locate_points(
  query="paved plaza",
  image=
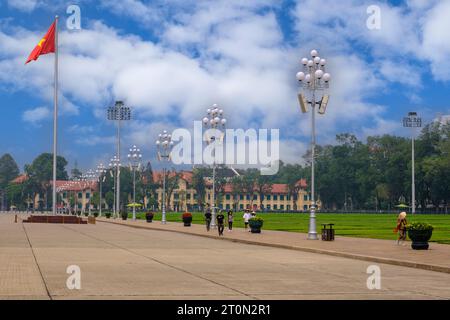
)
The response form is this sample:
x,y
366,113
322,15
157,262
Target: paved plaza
x,y
120,262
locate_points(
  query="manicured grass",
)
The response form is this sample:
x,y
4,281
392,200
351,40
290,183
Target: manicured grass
x,y
376,226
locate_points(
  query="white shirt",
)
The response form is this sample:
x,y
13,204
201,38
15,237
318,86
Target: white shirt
x,y
246,216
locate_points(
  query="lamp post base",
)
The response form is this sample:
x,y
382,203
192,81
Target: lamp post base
x,y
312,236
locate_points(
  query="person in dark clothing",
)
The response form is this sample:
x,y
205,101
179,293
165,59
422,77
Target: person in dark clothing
x,y
208,217
230,220
220,223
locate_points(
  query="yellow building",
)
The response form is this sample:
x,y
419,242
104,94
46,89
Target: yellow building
x,y
184,197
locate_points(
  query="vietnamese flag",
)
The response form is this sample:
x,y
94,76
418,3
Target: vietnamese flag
x,y
46,45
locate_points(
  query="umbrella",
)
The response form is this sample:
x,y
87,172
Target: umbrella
x,y
134,205
402,205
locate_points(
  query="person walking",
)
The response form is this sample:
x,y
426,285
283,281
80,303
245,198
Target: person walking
x,y
230,220
246,217
401,228
208,216
220,222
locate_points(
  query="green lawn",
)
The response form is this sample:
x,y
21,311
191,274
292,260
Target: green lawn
x,y
377,226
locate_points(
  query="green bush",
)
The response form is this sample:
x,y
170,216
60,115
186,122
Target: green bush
x,y
108,215
420,226
259,219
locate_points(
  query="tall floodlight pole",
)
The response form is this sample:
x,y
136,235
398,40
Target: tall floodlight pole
x,y
314,80
100,171
164,145
134,157
412,121
214,120
118,113
114,164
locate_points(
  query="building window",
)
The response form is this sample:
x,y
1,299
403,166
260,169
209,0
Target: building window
x,y
255,197
64,195
275,197
288,207
195,196
288,197
268,197
275,207
227,206
209,196
88,195
305,197
268,207
80,195
282,207
248,197
241,206
227,196
305,207
241,197
281,197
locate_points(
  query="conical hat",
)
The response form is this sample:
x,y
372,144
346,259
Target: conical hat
x,y
402,215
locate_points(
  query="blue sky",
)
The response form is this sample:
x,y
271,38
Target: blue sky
x,y
170,60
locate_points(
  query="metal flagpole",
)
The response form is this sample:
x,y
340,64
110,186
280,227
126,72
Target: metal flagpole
x,y
55,116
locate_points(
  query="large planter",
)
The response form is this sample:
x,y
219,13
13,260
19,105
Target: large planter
x,y
149,218
419,238
255,226
124,216
187,221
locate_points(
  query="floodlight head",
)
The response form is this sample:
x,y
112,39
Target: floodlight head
x,y
323,104
303,103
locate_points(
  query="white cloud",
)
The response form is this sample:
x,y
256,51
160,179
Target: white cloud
x,y
436,40
36,115
23,5
234,54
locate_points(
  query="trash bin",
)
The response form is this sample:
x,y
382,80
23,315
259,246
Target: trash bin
x,y
327,232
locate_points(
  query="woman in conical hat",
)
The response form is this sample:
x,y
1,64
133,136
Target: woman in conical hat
x,y
401,227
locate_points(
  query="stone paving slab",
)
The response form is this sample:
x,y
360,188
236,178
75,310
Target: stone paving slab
x,y
437,258
119,262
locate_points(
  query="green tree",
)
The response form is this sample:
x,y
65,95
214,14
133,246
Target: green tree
x,y
8,171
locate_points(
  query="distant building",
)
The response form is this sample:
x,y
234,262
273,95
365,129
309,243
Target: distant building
x,y
77,195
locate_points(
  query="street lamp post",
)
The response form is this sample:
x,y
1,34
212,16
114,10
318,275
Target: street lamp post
x,y
412,121
90,177
114,164
313,80
100,171
164,145
118,113
134,157
214,120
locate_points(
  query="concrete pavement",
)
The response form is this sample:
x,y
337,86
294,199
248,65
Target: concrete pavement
x,y
437,258
119,262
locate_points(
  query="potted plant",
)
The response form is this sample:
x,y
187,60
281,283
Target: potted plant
x,y
95,214
124,215
149,216
419,233
255,224
86,213
108,215
187,219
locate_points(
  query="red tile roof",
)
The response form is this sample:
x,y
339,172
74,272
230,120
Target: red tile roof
x,y
20,179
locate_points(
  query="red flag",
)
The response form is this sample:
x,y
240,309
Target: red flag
x,y
46,45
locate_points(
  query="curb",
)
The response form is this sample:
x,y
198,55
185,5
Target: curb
x,y
423,266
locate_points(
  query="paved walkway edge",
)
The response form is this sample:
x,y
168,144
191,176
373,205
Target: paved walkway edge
x,y
395,262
